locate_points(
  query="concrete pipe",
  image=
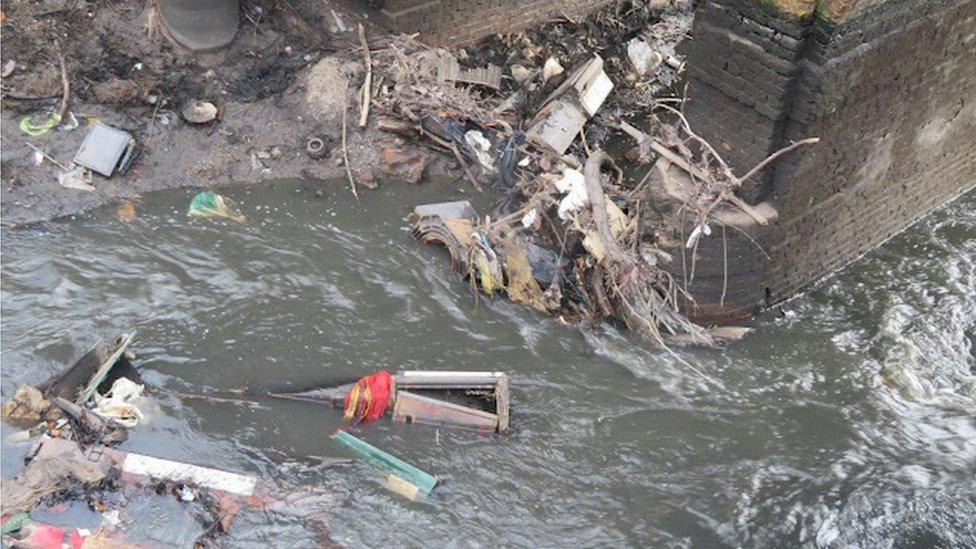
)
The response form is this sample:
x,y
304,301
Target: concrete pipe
x,y
200,25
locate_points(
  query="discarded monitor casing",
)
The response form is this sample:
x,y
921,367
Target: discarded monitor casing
x,y
106,150
446,398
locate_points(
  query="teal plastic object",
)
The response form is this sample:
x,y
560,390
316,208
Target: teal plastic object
x,y
404,470
15,523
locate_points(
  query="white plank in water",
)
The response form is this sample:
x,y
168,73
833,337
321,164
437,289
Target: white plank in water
x,y
176,471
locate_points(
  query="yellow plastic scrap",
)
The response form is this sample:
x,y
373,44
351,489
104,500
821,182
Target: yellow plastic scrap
x,y
359,391
481,263
522,286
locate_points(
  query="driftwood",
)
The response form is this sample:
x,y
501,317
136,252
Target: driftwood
x,y
640,291
345,148
368,84
65,83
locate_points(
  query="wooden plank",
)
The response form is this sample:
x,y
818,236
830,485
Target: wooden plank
x,y
411,407
177,471
103,370
68,384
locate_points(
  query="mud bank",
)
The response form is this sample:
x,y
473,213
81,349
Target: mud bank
x,y
282,81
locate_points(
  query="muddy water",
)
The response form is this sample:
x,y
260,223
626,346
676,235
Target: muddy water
x,y
847,418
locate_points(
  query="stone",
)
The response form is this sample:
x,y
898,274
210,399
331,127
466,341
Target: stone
x,y
550,69
405,166
521,73
642,56
29,404
367,178
199,112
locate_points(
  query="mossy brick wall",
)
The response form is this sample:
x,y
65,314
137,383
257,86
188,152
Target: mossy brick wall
x,y
890,89
462,21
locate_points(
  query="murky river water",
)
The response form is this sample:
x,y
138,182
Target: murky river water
x,y
611,444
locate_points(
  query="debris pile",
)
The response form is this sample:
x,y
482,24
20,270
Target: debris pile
x,y
87,409
84,412
575,231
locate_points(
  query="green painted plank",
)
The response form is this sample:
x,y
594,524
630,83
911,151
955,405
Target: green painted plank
x,y
15,523
103,370
404,470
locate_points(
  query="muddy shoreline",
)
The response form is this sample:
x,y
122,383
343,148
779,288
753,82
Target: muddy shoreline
x,y
278,85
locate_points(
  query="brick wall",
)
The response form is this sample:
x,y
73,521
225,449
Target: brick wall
x,y
891,92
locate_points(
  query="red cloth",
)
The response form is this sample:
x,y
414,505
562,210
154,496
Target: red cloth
x,y
45,536
369,397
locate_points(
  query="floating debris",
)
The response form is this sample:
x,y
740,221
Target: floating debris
x,y
425,482
126,211
211,204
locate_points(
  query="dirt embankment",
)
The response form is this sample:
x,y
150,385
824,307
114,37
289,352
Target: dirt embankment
x,y
288,76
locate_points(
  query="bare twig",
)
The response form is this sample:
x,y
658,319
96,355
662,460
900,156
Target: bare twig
x,y
586,146
368,84
725,268
775,155
745,207
345,149
65,83
38,149
753,240
464,166
696,171
699,139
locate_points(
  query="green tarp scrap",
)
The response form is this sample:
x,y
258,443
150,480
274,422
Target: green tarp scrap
x,y
211,204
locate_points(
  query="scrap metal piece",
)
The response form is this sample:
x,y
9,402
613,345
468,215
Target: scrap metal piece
x,y
495,382
460,208
71,383
559,125
106,150
414,408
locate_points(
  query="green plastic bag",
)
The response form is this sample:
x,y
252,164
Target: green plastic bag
x,y
211,204
30,128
